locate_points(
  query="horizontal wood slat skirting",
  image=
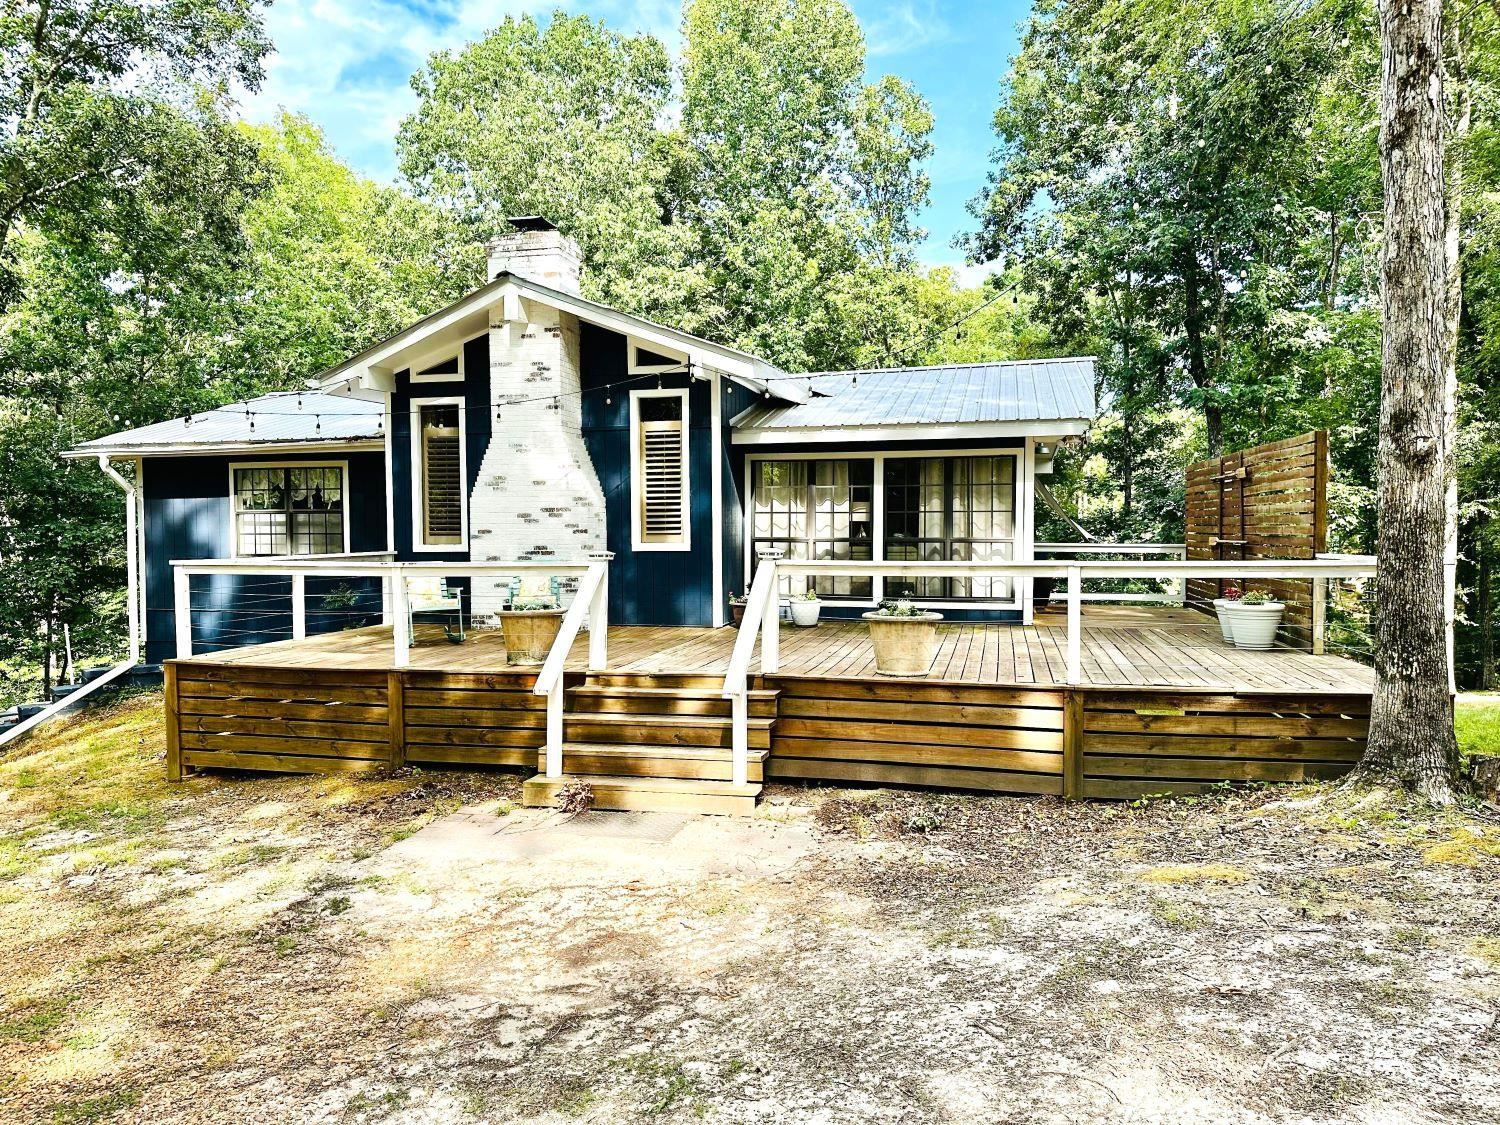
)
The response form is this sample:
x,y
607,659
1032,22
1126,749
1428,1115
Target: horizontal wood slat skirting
x,y
1102,742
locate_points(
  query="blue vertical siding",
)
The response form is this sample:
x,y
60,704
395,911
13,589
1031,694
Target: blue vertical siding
x,y
736,400
187,516
647,587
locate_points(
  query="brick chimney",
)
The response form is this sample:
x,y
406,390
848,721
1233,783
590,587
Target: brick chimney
x,y
538,497
537,251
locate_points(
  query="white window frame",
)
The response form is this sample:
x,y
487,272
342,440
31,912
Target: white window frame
x,y
234,510
1024,532
637,542
418,528
634,345
438,357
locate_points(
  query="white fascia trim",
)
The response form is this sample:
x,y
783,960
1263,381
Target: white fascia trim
x,y
415,407
127,451
941,431
716,483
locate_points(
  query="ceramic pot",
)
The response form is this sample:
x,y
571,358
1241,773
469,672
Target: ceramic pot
x,y
904,646
529,633
805,613
736,613
1221,607
1254,626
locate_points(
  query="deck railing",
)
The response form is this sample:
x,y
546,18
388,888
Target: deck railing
x,y
1071,551
591,601
762,619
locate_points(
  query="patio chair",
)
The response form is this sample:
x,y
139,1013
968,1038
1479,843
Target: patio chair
x,y
533,589
434,596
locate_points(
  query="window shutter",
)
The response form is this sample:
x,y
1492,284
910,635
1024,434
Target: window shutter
x,y
443,493
662,490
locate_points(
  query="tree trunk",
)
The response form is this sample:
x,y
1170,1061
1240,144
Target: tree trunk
x,y
1411,719
1193,316
1456,81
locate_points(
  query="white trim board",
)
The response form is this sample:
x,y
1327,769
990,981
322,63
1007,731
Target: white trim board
x,y
374,444
414,414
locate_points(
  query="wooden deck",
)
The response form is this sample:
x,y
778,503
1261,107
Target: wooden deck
x,y
1122,647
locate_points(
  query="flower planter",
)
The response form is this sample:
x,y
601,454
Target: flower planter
x,y
529,633
1221,607
904,646
805,613
1254,626
736,613
1041,593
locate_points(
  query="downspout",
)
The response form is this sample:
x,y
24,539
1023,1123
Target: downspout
x,y
132,566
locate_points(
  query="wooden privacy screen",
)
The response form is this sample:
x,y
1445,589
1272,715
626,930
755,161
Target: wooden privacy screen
x,y
1269,502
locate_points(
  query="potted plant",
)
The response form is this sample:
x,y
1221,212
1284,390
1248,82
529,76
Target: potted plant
x,y
1042,587
1254,620
737,609
905,638
1221,607
530,626
805,609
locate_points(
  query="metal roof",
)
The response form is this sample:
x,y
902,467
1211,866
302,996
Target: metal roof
x,y
1039,390
281,418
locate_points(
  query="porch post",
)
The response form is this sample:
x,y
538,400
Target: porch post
x,y
1075,625
740,724
299,606
770,618
599,614
1319,613
400,620
182,602
555,729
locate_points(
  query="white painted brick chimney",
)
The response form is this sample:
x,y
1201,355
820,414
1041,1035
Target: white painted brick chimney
x,y
537,497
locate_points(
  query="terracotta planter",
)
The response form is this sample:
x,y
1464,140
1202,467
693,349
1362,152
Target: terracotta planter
x,y
529,633
736,613
1226,627
904,646
805,613
1254,626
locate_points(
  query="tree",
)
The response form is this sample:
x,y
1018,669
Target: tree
x,y
1411,720
104,103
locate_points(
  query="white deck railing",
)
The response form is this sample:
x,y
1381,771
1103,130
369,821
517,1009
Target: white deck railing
x,y
1068,551
592,601
762,620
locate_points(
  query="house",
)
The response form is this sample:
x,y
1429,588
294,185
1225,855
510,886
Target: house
x,y
652,475
525,422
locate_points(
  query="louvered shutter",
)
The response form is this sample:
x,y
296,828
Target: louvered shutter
x,y
442,476
662,466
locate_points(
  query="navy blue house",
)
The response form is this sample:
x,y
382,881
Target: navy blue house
x,y
526,422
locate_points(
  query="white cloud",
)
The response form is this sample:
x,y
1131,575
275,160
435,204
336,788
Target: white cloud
x,y
904,26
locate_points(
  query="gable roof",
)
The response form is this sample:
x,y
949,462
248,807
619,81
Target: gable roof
x,y
270,420
1011,398
469,315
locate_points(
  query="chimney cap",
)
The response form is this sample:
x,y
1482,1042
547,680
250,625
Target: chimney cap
x,y
531,223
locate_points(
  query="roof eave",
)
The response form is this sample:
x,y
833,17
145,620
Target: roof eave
x,y
158,449
911,431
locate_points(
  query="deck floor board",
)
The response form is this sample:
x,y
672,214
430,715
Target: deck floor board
x,y
1122,646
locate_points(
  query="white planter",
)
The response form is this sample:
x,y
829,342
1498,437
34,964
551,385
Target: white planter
x,y
805,613
1254,626
1221,607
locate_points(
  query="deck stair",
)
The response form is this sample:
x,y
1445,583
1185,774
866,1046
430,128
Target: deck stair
x,y
657,743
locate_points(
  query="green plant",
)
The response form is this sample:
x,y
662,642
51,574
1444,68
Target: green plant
x,y
810,596
342,596
533,605
1255,597
738,599
900,608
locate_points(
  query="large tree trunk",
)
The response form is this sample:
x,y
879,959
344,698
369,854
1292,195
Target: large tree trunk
x,y
1194,317
1411,720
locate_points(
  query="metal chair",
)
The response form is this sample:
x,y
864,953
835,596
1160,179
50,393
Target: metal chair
x,y
435,596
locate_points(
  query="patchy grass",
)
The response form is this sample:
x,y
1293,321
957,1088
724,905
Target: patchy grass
x,y
1476,722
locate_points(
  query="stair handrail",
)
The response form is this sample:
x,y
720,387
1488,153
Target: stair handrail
x,y
591,601
761,620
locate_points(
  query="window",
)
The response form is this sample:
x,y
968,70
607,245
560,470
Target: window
x,y
288,509
950,508
818,509
659,470
439,495
446,370
645,358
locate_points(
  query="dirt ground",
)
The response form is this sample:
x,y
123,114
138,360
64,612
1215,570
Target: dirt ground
x,y
417,949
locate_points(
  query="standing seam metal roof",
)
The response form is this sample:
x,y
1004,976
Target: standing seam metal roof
x,y
1011,391
277,420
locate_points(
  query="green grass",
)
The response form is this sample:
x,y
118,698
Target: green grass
x,y
1477,723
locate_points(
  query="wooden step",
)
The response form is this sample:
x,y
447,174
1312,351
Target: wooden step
x,y
648,794
701,680
663,730
622,700
703,763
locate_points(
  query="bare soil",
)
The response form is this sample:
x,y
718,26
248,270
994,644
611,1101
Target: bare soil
x,y
414,948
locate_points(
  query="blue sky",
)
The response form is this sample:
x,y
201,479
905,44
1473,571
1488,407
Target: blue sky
x,y
345,63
